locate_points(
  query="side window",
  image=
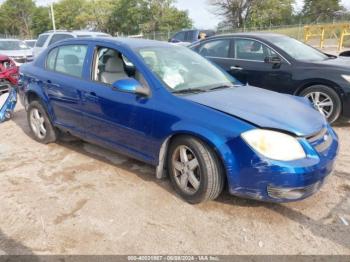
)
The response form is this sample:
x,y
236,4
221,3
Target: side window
x,y
248,49
180,36
51,59
189,37
70,59
41,41
58,37
216,48
110,66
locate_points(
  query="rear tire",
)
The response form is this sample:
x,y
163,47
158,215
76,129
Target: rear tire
x,y
326,100
40,125
195,170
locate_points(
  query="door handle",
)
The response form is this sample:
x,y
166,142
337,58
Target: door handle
x,y
49,82
89,96
236,68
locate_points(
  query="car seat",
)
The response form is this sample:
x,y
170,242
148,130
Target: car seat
x,y
113,71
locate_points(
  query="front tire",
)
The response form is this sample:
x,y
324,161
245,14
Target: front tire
x,y
325,100
195,170
40,125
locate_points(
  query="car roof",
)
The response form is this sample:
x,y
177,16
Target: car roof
x,y
133,43
257,35
74,32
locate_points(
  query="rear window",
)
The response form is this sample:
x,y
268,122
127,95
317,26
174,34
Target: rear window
x,y
58,37
67,59
41,41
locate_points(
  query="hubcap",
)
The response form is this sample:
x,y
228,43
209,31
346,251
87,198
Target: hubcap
x,y
186,169
37,122
322,102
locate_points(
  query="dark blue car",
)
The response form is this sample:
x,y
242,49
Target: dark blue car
x,y
169,107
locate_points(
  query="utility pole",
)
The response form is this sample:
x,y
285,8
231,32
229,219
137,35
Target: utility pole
x,y
53,18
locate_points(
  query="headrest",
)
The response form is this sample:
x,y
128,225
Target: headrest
x,y
255,47
70,60
114,65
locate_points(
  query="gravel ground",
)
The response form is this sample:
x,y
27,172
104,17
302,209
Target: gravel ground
x,y
77,198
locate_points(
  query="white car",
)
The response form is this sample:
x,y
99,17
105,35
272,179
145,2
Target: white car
x,y
17,50
30,42
48,38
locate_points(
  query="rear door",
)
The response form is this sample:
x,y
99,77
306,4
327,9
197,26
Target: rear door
x,y
219,52
63,82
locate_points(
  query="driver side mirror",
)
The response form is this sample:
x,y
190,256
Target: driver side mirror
x,y
131,85
275,60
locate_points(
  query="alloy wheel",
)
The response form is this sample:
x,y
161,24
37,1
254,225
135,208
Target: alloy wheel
x,y
186,169
322,102
37,123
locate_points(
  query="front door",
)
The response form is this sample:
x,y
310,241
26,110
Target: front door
x,y
250,65
119,120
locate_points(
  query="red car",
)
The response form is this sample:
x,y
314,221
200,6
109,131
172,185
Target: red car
x,y
8,74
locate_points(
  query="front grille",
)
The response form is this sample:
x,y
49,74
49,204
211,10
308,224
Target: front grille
x,y
321,141
20,59
293,193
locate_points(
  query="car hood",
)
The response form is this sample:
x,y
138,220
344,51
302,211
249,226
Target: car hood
x,y
264,108
339,62
12,53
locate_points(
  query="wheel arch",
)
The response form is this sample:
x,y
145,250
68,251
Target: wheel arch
x,y
33,95
324,82
163,152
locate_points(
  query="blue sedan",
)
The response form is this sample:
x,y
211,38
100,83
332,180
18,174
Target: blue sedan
x,y
169,107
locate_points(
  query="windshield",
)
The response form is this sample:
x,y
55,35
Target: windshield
x,y
13,45
30,43
298,50
182,69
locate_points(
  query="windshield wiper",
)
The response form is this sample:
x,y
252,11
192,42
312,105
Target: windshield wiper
x,y
221,87
188,91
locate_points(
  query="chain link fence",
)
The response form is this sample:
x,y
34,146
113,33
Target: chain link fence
x,y
296,31
9,36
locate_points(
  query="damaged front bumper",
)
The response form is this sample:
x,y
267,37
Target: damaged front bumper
x,y
251,176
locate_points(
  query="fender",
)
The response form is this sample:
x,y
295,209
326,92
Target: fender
x,y
218,143
32,88
318,81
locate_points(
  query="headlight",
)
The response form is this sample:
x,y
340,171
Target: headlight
x,y
274,145
346,77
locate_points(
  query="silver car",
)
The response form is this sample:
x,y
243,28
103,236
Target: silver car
x,y
48,38
17,50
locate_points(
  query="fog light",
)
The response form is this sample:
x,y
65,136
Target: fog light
x,y
292,193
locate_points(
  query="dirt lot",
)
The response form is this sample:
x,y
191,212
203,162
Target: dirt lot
x,y
76,198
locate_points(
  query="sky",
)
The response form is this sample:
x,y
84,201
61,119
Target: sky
x,y
200,11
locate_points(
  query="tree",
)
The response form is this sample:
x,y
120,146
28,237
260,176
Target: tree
x,y
134,16
67,14
271,12
41,21
16,17
127,16
320,10
163,16
248,13
95,14
235,12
